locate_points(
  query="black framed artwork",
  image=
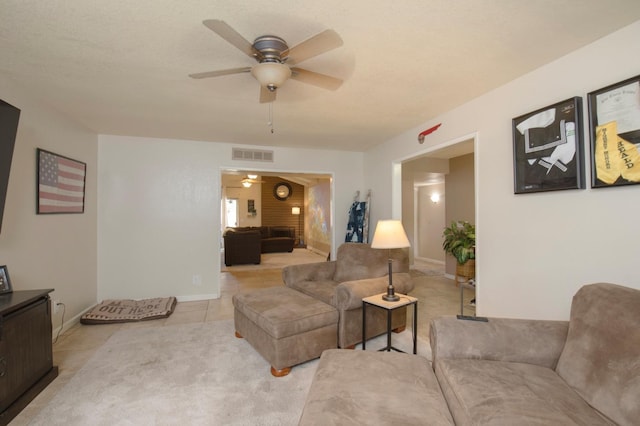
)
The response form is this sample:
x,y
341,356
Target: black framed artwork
x,y
547,148
614,123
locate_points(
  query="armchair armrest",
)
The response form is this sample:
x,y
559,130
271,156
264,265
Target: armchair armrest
x,y
536,342
349,294
320,271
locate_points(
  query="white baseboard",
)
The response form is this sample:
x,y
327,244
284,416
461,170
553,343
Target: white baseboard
x,y
197,297
317,251
426,259
68,323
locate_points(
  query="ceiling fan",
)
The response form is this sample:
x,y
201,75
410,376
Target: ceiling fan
x,y
250,180
276,60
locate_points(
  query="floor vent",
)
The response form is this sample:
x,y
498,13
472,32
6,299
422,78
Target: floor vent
x,y
251,155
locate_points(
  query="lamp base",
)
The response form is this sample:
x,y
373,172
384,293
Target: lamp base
x,y
390,297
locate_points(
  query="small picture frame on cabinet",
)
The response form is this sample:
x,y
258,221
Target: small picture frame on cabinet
x,y
5,281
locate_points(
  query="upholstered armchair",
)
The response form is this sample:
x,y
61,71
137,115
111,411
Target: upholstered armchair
x,y
358,272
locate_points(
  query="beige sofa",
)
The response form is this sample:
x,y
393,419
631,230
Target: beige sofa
x,y
358,272
585,371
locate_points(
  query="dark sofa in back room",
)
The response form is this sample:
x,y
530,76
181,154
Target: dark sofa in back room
x,y
276,239
243,245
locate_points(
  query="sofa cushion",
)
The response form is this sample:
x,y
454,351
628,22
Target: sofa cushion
x,y
264,231
538,342
509,393
277,244
601,358
243,229
374,388
281,231
356,261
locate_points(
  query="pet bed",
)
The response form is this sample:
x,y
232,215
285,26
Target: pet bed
x,y
125,310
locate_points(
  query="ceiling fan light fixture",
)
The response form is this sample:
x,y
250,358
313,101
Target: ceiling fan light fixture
x,y
246,184
271,74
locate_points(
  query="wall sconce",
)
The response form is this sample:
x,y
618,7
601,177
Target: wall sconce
x,y
435,198
252,176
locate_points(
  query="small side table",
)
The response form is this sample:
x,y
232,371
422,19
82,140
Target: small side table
x,y
378,301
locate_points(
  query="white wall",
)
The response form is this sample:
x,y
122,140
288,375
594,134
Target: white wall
x,y
459,205
426,240
55,251
431,221
534,250
159,210
232,188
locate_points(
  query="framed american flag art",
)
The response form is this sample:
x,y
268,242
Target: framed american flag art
x,y
60,182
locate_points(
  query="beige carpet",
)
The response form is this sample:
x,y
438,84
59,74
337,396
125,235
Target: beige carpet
x,y
193,374
438,296
277,260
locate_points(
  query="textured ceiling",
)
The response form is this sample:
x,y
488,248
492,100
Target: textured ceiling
x,y
120,66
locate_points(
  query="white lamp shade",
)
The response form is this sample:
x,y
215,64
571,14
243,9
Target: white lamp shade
x,y
389,235
271,74
295,210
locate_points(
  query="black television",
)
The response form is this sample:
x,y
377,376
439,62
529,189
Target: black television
x,y
9,116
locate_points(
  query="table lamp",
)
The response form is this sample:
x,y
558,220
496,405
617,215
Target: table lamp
x,y
389,235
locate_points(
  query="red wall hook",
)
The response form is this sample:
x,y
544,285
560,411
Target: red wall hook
x,y
428,132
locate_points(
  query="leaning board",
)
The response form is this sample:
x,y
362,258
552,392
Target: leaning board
x,y
125,310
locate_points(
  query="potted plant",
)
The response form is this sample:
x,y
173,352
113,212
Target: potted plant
x,y
460,242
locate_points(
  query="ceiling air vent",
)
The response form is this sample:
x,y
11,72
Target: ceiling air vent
x,y
251,155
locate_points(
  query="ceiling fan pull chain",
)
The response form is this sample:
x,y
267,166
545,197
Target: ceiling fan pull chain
x,y
270,123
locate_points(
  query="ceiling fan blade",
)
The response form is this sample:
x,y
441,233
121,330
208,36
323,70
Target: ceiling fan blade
x,y
267,95
232,36
252,180
219,73
321,80
316,45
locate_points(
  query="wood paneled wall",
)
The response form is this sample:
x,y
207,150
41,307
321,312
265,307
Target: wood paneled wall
x,y
278,213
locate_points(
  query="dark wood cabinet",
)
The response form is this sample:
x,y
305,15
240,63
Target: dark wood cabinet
x,y
26,353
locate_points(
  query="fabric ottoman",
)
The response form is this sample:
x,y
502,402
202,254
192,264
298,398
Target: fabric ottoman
x,y
285,326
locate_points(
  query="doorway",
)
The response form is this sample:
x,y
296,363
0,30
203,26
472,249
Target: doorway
x,y
438,187
231,213
250,198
